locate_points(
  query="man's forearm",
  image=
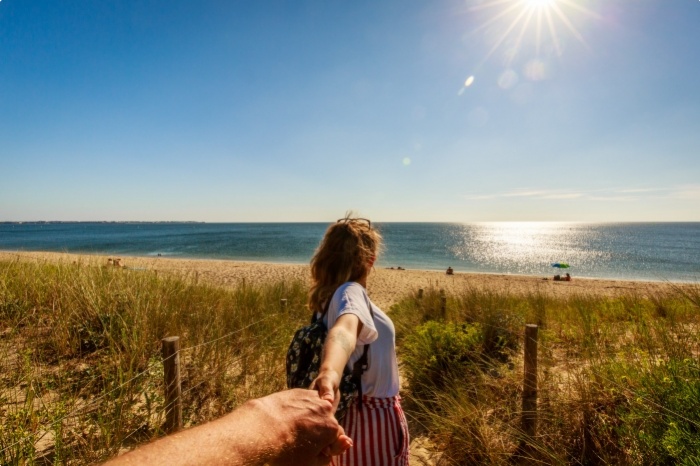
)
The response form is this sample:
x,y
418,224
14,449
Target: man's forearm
x,y
210,443
288,428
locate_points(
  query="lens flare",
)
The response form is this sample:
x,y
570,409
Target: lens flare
x,y
535,70
508,79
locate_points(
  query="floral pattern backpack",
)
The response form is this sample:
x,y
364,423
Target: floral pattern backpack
x,y
304,362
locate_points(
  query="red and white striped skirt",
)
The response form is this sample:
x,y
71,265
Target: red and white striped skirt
x,y
379,433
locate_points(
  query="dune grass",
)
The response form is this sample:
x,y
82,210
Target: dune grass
x,y
81,371
81,376
619,378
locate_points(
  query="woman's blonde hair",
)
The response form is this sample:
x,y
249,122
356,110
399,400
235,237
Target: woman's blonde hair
x,y
348,248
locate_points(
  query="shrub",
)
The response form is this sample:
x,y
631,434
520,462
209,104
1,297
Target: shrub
x,y
438,353
661,418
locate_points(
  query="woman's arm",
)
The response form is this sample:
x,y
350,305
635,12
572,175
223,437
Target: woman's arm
x,y
340,343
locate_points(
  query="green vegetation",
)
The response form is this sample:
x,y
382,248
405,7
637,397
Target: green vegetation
x,y
81,375
619,378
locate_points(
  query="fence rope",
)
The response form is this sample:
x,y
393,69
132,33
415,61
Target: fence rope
x,y
228,334
45,428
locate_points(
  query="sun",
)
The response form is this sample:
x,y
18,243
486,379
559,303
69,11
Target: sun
x,y
521,23
539,3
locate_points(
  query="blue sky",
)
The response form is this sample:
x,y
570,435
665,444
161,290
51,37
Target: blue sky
x,y
300,110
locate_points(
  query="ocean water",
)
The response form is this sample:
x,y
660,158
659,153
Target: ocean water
x,y
633,251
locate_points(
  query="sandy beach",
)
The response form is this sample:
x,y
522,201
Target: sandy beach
x,y
385,286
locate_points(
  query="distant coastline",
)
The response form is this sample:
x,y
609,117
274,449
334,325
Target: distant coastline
x,y
68,222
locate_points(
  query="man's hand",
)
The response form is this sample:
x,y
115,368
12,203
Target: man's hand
x,y
300,428
293,427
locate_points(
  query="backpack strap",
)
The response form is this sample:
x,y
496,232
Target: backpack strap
x,y
314,316
362,364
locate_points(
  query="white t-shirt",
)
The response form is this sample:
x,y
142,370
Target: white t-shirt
x,y
381,379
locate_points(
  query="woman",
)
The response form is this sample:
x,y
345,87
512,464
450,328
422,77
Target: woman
x,y
339,271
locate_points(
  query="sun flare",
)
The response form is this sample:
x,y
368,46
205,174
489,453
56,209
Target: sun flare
x,y
514,25
539,3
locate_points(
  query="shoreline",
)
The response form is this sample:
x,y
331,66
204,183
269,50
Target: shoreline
x,y
385,286
293,263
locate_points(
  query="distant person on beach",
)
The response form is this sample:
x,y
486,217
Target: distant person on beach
x,y
116,262
293,427
339,271
450,271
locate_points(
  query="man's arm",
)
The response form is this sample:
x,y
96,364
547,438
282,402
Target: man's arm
x,y
293,427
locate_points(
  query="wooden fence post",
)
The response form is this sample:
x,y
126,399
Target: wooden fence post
x,y
420,293
283,304
171,366
529,414
443,304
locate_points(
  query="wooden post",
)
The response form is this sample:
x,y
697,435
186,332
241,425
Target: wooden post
x,y
420,293
529,414
443,304
171,366
283,304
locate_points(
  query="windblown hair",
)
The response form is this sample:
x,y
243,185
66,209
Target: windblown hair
x,y
344,255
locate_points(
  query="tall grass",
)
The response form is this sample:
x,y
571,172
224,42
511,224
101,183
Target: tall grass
x,y
619,378
81,372
81,377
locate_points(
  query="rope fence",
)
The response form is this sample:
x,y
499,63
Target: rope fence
x,y
173,401
43,429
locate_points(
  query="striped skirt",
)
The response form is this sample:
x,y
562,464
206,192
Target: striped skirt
x,y
379,433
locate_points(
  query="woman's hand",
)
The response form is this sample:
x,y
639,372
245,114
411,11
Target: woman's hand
x,y
327,384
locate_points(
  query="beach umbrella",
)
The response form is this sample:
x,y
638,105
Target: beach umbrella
x,y
561,265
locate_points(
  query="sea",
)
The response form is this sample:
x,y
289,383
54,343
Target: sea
x,y
629,251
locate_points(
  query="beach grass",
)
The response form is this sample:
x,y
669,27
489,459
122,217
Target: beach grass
x,y
82,373
618,377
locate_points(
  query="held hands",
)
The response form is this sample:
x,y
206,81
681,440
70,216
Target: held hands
x,y
305,426
289,428
327,384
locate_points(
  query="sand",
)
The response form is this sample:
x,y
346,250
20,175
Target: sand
x,y
385,286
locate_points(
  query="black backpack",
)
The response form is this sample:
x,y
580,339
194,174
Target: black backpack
x,y
304,362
